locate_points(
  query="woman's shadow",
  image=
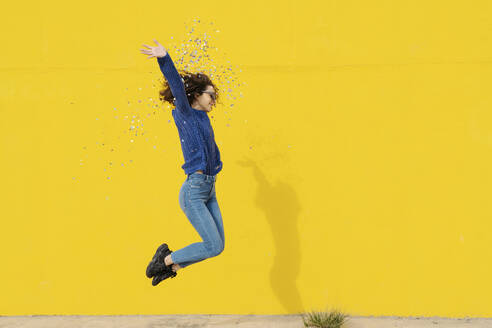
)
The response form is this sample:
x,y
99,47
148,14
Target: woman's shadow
x,y
281,206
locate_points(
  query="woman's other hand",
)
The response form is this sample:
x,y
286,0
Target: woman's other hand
x,y
158,51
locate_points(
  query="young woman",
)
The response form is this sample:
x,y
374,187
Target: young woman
x,y
193,96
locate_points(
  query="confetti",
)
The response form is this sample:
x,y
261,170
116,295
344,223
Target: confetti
x,y
194,52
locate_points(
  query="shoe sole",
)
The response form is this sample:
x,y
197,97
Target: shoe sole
x,y
158,278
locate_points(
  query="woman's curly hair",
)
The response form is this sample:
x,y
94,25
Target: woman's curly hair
x,y
194,83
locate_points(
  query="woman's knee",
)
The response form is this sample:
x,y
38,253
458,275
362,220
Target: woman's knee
x,y
221,248
216,248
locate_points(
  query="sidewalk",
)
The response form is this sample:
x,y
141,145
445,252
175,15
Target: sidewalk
x,y
237,321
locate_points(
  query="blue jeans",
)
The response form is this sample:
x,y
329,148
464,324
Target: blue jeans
x,y
198,201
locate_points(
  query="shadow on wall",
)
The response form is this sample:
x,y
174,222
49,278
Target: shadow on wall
x,y
281,206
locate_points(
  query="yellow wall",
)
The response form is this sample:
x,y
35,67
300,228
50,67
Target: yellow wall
x,y
357,165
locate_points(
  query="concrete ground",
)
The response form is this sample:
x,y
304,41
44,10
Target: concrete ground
x,y
237,321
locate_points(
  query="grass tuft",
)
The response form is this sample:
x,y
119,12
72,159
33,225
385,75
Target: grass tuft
x,y
332,319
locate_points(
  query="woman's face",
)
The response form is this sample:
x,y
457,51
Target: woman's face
x,y
206,100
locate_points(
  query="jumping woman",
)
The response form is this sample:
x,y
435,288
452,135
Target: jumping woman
x,y
193,95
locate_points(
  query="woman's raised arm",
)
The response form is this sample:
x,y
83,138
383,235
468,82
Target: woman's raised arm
x,y
170,73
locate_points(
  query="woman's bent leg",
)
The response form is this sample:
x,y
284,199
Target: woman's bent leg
x,y
204,223
213,207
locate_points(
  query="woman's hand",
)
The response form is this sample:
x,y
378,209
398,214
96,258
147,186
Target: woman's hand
x,y
158,51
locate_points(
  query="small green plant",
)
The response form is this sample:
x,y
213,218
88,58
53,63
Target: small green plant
x,y
332,319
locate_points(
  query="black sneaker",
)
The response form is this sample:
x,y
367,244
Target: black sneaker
x,y
157,264
163,275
